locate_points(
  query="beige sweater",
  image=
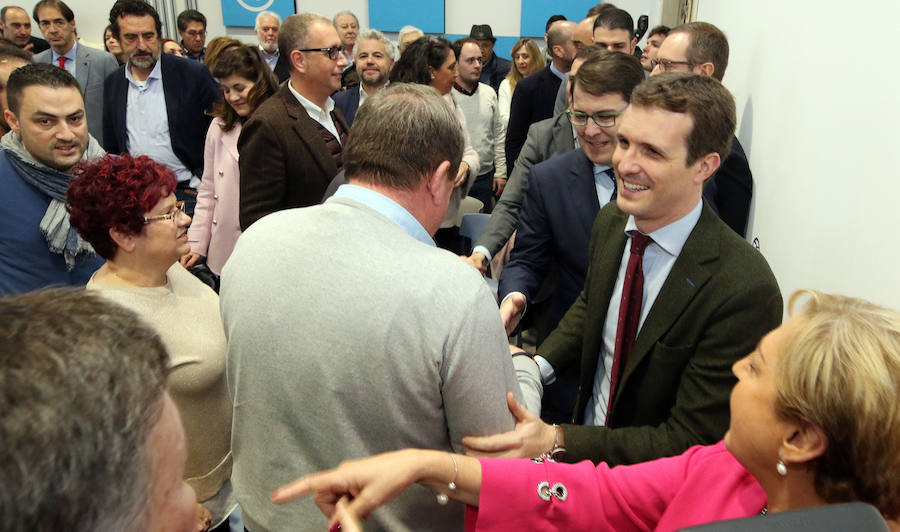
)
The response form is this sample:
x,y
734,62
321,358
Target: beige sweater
x,y
185,313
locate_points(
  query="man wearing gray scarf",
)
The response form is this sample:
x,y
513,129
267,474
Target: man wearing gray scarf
x,y
48,138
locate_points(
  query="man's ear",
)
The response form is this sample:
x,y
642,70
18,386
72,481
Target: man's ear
x,y
707,166
438,181
802,442
706,69
298,61
633,44
123,241
11,120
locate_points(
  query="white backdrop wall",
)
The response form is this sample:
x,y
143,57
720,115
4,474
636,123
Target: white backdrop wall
x,y
818,118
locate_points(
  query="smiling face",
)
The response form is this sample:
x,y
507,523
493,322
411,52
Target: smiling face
x,y
267,33
619,40
442,78
597,142
59,32
348,29
139,40
655,184
372,62
755,432
236,91
17,26
52,125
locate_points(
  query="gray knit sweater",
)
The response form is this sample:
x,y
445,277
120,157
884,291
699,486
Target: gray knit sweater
x,y
346,338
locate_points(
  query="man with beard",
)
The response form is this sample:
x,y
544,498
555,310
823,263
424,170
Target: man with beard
x,y
49,136
373,56
267,24
156,105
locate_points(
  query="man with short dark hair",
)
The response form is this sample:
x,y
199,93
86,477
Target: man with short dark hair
x,y
564,195
654,40
91,440
494,69
391,370
156,104
614,30
292,146
90,66
266,27
702,48
192,29
478,102
672,298
16,28
535,95
373,55
11,58
48,137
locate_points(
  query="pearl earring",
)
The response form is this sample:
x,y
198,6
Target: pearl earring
x,y
781,468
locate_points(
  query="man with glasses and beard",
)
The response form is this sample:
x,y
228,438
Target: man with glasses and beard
x,y
155,104
291,148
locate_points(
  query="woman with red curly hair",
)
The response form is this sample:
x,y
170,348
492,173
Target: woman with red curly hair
x,y
125,208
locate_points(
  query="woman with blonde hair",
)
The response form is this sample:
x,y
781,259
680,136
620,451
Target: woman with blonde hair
x,y
527,59
814,421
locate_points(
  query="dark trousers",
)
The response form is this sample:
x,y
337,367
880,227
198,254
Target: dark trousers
x,y
188,196
482,190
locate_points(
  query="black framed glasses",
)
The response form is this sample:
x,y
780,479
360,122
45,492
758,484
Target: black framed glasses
x,y
666,66
171,215
332,52
602,119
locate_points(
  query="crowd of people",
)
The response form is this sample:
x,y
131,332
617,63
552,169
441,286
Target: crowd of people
x,y
266,279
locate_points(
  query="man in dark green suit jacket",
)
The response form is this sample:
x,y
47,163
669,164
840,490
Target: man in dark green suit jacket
x,y
718,299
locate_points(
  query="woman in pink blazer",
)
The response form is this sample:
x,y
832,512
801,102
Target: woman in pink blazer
x,y
246,82
814,420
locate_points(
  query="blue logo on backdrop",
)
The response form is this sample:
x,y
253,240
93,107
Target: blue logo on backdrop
x,y
243,12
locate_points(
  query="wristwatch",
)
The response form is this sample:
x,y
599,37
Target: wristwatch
x,y
558,450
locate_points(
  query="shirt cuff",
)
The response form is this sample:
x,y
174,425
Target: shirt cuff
x,y
547,373
483,250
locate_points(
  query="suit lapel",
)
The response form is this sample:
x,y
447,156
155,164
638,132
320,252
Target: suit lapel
x,y
171,86
82,68
581,182
684,282
307,132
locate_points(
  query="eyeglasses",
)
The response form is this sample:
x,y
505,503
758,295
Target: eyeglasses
x,y
195,34
332,52
580,118
171,215
666,66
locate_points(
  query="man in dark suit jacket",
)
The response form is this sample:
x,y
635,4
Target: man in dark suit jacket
x,y
708,296
702,48
535,95
188,92
564,196
373,57
291,147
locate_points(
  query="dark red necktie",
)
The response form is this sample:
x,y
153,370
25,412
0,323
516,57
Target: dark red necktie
x,y
629,311
62,62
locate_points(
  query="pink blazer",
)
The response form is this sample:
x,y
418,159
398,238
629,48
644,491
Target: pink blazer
x,y
704,484
215,227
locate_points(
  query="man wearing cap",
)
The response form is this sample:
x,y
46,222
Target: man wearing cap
x,y
495,68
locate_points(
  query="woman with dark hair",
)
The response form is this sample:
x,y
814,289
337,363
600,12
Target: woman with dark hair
x,y
111,45
125,208
246,82
814,421
431,61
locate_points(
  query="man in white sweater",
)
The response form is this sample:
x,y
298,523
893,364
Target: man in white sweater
x,y
337,350
487,133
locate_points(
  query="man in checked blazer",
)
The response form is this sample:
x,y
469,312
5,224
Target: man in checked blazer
x,y
708,296
291,148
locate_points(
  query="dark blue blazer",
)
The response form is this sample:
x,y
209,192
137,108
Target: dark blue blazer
x,y
190,92
554,232
532,101
348,102
730,189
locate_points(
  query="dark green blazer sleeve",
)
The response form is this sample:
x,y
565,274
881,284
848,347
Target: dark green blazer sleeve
x,y
718,301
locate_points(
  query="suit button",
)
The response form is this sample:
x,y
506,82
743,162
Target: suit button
x,y
215,196
215,222
221,173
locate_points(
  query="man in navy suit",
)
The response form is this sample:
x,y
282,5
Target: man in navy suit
x,y
535,95
564,195
373,57
156,105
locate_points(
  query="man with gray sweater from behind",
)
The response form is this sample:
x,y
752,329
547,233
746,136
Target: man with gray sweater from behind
x,y
337,350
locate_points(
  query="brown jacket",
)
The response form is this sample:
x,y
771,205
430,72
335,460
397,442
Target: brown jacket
x,y
284,162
